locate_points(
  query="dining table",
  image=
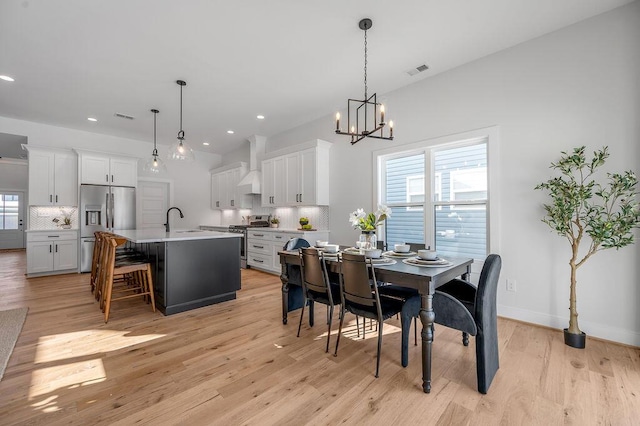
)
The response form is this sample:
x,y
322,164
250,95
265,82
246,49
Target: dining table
x,y
425,279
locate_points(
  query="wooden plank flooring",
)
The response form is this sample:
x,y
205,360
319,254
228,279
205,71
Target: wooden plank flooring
x,y
236,363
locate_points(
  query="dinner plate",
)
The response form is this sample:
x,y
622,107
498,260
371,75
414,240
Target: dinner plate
x,y
384,261
327,254
396,254
352,250
427,263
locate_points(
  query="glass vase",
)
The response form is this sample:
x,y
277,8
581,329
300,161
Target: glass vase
x,y
368,240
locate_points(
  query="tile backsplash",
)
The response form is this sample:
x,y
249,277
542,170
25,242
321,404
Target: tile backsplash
x,y
41,217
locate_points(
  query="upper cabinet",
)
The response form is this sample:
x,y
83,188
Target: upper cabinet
x,y
105,169
225,193
299,178
53,177
273,185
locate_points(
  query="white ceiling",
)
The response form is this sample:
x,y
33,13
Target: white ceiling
x,y
293,61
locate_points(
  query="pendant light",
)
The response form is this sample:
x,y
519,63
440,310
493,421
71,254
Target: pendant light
x,y
154,164
179,150
365,117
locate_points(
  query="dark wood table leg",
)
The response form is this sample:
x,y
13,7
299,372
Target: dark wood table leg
x,y
285,293
427,316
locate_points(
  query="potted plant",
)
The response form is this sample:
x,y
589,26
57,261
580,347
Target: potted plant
x,y
581,207
275,222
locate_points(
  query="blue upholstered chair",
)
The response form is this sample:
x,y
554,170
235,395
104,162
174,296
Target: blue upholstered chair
x,y
461,305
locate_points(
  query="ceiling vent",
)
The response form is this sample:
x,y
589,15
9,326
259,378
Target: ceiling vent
x,y
417,70
128,117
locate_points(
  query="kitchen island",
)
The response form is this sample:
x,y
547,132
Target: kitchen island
x,y
190,268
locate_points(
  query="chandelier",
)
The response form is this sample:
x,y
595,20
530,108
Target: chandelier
x,y
367,114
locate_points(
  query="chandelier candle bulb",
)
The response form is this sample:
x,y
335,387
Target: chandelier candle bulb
x,y
391,128
337,121
381,114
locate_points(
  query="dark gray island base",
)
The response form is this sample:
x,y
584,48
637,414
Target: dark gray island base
x,y
191,273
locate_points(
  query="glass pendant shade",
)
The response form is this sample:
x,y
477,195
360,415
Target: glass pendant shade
x,y
154,164
179,150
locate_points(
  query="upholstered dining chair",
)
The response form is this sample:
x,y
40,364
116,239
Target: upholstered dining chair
x,y
294,294
316,286
360,296
461,305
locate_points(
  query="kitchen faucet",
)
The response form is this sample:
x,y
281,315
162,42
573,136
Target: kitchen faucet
x,y
166,225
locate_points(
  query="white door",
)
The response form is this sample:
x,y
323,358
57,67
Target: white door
x,y
11,220
153,202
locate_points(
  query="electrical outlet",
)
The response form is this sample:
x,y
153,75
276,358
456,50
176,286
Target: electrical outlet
x,y
511,285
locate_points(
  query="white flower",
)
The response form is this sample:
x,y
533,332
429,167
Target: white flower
x,y
383,211
354,217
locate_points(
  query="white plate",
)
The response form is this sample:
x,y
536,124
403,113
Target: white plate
x,y
352,250
396,254
383,262
427,263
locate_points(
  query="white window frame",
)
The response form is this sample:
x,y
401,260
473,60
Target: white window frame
x,y
491,136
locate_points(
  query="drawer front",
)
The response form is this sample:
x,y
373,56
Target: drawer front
x,y
51,236
259,260
258,235
281,238
258,246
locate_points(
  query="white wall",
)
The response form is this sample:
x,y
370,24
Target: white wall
x,y
191,181
13,175
577,86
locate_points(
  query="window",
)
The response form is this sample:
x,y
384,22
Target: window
x,y
8,212
453,216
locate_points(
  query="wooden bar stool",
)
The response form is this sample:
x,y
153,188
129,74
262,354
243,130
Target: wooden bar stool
x,y
126,277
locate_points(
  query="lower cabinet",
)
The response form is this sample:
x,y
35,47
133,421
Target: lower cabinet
x,y
51,252
263,246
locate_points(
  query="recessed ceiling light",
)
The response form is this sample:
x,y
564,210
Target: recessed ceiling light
x,y
230,132
92,119
260,117
6,78
205,143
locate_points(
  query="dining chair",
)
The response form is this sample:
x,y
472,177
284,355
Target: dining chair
x,y
461,305
316,286
294,295
359,295
410,310
416,246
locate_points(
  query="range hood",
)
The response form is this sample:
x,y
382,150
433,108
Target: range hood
x,y
250,184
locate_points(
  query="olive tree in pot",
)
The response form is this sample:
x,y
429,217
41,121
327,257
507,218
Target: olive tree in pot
x,y
581,207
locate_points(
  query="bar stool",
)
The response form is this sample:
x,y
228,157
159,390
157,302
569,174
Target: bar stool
x,y
126,277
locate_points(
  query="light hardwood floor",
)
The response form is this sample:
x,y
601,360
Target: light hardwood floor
x,y
236,363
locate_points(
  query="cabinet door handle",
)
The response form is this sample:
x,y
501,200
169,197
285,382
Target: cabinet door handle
x,y
106,178
300,197
56,198
50,249
232,203
56,248
50,198
258,247
111,178
258,260
258,235
277,237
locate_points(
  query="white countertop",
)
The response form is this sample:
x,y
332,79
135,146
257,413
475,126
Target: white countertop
x,y
288,230
159,235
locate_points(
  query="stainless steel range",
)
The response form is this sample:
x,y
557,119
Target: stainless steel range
x,y
255,221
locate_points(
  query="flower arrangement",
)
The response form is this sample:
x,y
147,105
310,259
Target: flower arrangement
x,y
369,221
275,220
64,221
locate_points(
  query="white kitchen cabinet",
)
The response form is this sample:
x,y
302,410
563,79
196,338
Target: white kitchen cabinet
x,y
263,246
104,169
53,177
52,252
273,184
298,178
225,193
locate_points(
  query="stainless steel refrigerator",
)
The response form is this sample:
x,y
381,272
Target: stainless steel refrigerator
x,y
103,208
